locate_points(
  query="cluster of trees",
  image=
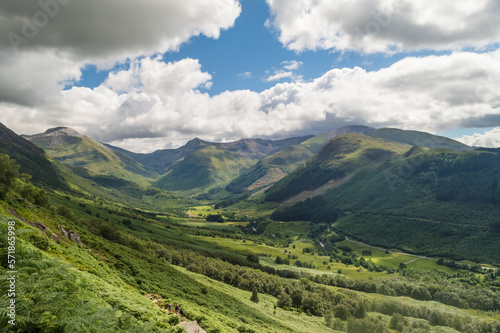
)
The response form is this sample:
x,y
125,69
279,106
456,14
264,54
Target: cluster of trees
x,y
421,234
433,315
232,200
304,295
282,261
11,180
312,209
453,264
8,174
465,177
215,218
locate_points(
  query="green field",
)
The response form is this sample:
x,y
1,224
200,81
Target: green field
x,y
203,211
391,259
379,257
230,226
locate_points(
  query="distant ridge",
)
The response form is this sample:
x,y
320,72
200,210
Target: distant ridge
x,y
74,149
416,138
200,166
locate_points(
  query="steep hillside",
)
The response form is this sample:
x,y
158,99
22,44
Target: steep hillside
x,y
433,201
74,149
31,159
276,166
200,165
337,161
203,168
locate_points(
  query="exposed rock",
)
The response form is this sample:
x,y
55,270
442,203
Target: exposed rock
x,y
40,226
71,235
192,327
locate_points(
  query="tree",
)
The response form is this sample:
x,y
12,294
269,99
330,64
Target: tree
x,y
255,296
253,258
35,195
342,312
8,174
215,218
398,322
284,300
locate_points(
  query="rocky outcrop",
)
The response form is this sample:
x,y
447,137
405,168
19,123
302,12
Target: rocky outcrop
x,y
71,235
192,327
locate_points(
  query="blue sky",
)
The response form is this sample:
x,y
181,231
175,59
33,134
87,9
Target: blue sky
x,y
251,47
154,74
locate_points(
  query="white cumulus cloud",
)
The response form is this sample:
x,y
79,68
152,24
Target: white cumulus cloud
x,y
139,109
489,139
44,44
291,65
286,72
386,26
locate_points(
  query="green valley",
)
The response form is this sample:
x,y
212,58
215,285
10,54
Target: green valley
x,y
355,230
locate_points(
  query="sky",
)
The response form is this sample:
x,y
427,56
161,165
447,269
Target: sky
x,y
153,74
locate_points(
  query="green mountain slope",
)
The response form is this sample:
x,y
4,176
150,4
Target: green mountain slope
x,y
196,167
70,149
200,165
436,202
336,162
74,149
202,169
276,166
161,160
31,159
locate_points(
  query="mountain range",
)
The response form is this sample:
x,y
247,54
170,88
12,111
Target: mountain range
x,y
200,166
365,181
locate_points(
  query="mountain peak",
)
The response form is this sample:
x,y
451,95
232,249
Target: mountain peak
x,y
62,131
195,143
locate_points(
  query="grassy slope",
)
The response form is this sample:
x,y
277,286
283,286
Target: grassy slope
x,y
204,168
395,205
119,275
115,278
81,151
339,158
275,166
124,193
